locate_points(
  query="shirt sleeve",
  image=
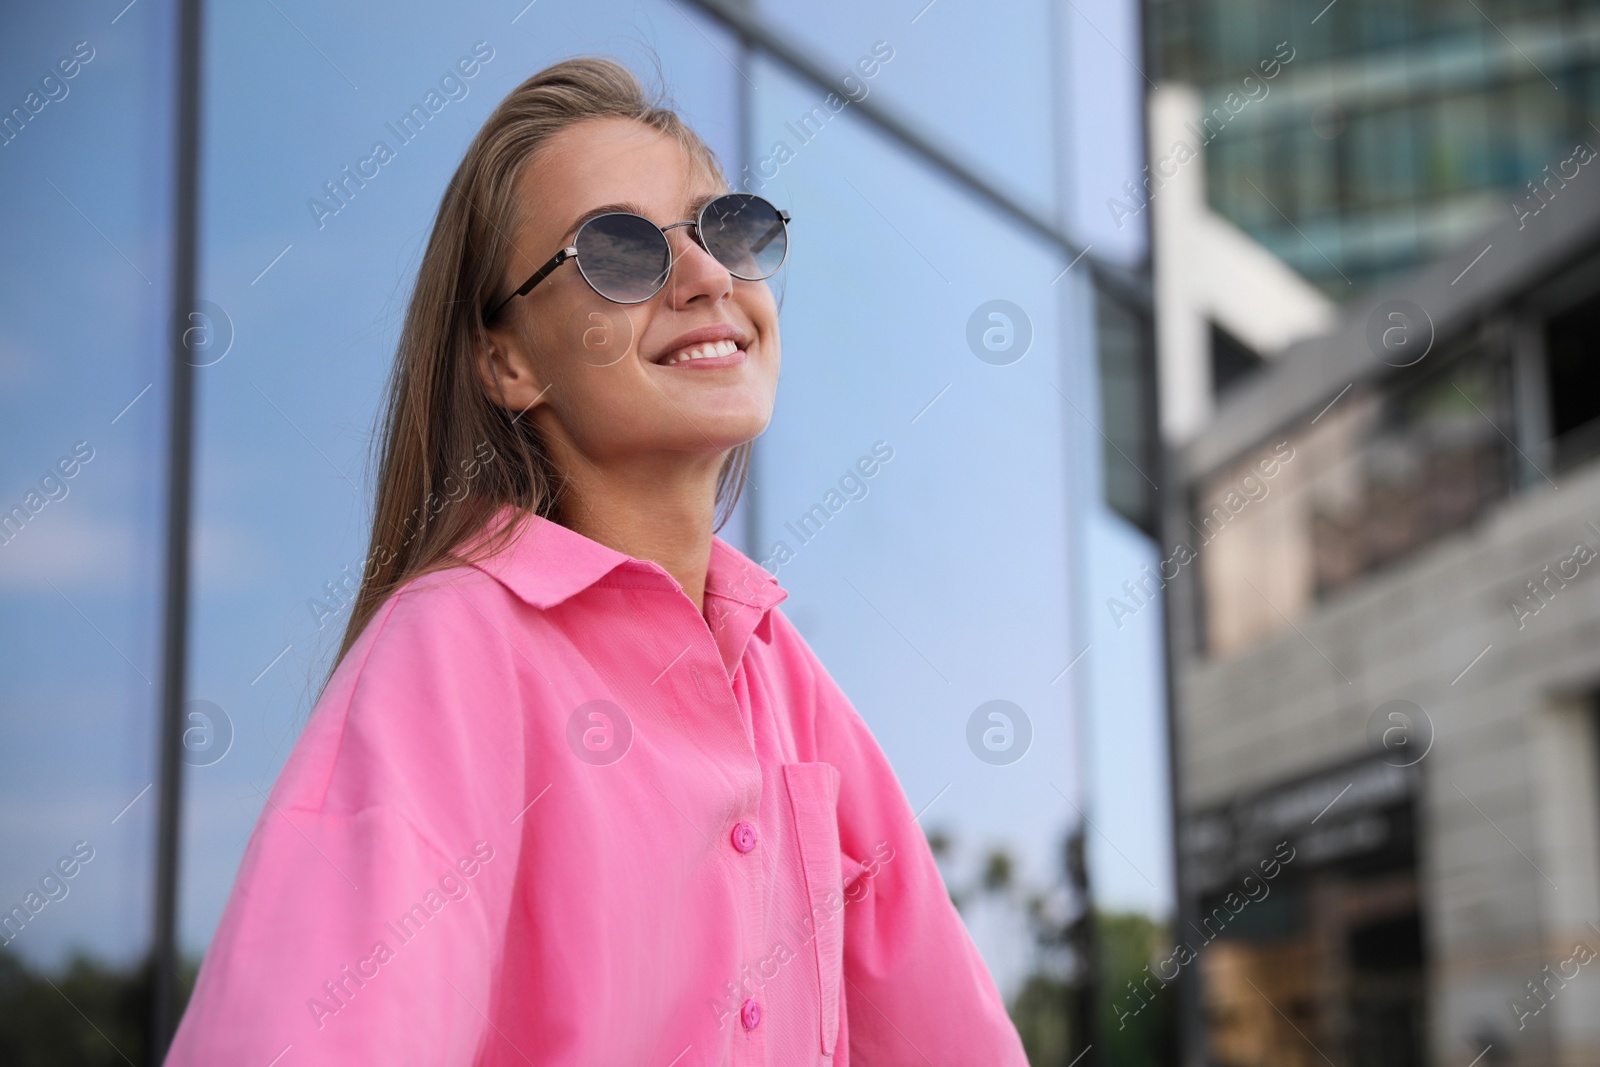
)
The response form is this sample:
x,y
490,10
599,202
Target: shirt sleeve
x,y
916,990
366,920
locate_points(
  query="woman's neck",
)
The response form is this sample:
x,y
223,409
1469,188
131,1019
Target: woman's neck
x,y
668,522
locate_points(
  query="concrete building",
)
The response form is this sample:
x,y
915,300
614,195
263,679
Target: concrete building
x,y
1376,245
1384,586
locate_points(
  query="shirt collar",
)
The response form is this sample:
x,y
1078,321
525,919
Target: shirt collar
x,y
546,563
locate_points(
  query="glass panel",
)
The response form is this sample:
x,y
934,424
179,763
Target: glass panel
x,y
995,116
84,297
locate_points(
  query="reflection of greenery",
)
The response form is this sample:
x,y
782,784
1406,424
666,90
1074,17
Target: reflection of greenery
x,y
1051,1010
86,1015
1130,942
1043,1012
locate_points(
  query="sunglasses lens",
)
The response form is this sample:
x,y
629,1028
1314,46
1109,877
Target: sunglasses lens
x,y
746,234
624,257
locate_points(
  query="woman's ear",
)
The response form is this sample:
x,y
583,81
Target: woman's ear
x,y
507,373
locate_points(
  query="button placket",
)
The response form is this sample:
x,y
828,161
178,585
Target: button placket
x,y
699,652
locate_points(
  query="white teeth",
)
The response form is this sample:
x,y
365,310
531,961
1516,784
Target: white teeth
x,y
718,348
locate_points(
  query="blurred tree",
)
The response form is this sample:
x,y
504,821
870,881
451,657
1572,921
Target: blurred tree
x,y
1136,1013
1057,1000
86,1015
1043,1013
1050,1009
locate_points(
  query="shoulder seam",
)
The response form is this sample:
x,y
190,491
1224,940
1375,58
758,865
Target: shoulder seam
x,y
361,670
392,809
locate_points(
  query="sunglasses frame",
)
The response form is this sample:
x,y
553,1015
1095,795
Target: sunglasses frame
x,y
571,252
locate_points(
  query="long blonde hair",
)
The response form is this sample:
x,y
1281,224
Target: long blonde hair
x,y
449,458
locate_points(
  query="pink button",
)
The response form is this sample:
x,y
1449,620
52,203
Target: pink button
x,y
750,1014
744,839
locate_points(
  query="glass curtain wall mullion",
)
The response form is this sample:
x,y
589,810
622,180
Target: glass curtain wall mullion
x,y
180,488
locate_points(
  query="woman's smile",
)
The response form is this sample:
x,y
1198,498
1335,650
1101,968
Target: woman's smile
x,y
709,347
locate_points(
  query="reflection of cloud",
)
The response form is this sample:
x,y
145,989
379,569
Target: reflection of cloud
x,y
69,549
76,550
226,557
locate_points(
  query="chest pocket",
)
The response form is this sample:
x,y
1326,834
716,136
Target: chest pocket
x,y
814,800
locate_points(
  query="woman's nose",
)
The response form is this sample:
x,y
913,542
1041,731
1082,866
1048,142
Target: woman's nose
x,y
695,271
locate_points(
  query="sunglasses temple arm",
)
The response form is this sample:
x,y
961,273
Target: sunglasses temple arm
x,y
538,276
544,272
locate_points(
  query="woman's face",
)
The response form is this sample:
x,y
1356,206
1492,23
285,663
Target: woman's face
x,y
590,373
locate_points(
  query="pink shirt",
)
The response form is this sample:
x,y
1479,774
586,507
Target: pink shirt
x,y
547,813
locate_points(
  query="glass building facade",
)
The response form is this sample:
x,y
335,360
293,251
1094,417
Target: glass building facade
x,y
86,165
1400,130
954,299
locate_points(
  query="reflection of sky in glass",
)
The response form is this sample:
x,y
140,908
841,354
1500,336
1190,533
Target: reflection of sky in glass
x,y
746,235
992,114
84,202
623,256
978,81
966,572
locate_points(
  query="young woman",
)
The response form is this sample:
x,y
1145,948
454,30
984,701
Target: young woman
x,y
577,792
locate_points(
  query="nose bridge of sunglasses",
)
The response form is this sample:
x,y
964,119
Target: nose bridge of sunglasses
x,y
691,236
694,238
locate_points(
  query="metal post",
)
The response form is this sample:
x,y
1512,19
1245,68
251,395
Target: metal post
x,y
180,467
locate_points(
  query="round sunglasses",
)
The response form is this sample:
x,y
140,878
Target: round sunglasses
x,y
626,258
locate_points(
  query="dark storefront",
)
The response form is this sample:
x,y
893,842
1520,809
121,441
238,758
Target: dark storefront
x,y
1309,934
